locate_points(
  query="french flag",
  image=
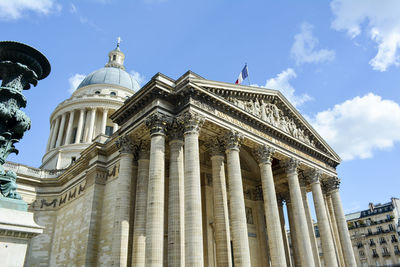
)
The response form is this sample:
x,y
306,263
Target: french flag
x,y
243,75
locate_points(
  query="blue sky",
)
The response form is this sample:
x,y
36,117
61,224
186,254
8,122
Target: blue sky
x,y
338,61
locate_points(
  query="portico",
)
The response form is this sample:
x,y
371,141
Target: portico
x,y
249,153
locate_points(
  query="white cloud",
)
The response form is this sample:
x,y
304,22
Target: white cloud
x,y
304,47
281,83
380,19
15,9
138,77
74,81
357,127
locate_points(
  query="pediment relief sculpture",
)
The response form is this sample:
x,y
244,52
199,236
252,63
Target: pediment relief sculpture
x,y
273,115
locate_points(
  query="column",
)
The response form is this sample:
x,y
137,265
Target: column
x,y
115,127
334,229
240,240
61,130
104,121
293,232
275,240
310,223
299,216
91,125
80,126
221,216
139,229
50,136
155,194
123,202
69,128
284,233
176,226
347,247
328,248
54,133
193,213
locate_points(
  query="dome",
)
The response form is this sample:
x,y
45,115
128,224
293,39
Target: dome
x,y
111,75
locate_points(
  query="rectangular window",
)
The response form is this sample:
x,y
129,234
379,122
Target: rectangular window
x,y
109,130
391,227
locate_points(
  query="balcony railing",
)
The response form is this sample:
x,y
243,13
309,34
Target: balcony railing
x,y
375,256
397,252
382,242
386,254
371,244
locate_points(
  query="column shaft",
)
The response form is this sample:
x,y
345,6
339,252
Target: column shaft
x,y
344,235
80,126
275,240
54,134
69,128
335,232
176,226
91,125
310,225
293,234
284,234
104,121
193,215
139,230
155,201
123,202
50,136
299,216
328,248
240,240
221,216
61,130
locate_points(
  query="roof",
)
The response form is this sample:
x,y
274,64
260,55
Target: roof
x,y
111,75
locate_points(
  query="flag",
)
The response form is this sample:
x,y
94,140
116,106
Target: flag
x,y
243,75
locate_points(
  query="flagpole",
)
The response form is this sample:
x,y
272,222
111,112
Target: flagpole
x,y
248,75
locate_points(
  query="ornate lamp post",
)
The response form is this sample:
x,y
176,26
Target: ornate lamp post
x,y
20,66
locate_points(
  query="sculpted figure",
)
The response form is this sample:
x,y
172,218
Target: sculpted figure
x,y
257,108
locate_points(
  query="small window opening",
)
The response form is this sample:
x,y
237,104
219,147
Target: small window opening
x,y
97,92
114,57
73,159
109,130
113,93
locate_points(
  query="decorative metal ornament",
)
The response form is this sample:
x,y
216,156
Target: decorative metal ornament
x,y
20,66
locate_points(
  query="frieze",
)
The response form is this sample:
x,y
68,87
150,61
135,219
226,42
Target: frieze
x,y
270,113
71,194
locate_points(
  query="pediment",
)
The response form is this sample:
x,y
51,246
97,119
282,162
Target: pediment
x,y
272,108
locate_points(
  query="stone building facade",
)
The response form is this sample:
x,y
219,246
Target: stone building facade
x,y
197,174
375,234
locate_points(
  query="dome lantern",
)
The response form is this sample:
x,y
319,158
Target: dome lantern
x,y
116,57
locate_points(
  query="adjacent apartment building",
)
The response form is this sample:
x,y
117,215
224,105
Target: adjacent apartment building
x,y
375,234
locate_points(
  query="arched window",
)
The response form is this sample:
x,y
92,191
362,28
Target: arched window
x,y
113,93
97,92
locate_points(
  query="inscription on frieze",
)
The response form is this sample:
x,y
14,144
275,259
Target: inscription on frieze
x,y
61,200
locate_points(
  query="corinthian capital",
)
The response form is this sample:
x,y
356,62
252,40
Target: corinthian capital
x,y
233,140
331,184
157,123
264,154
216,147
313,175
191,121
175,130
290,165
125,144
